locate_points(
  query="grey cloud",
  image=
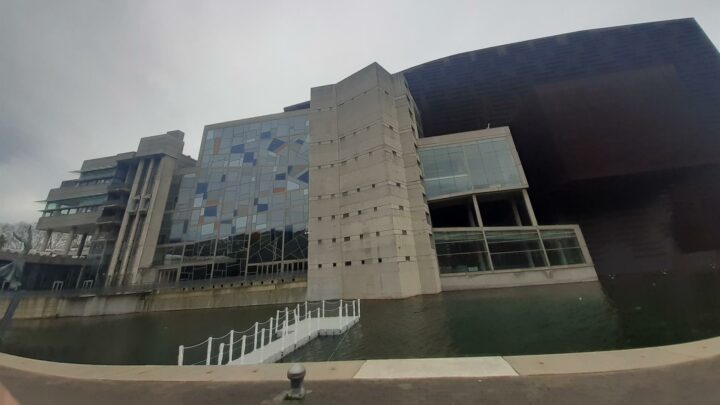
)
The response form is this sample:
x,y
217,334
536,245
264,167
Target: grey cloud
x,y
84,78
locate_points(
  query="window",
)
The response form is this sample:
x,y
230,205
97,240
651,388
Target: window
x,y
334,240
397,184
334,264
407,258
345,215
319,241
373,186
358,189
346,239
345,193
362,261
361,236
348,263
319,218
377,233
359,212
332,217
401,208
375,209
404,232
394,154
379,259
319,266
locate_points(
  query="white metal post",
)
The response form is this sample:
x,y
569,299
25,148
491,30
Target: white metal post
x,y
353,308
323,308
242,350
262,344
287,321
285,328
209,349
305,309
271,329
317,321
220,356
295,332
181,353
255,337
340,309
231,345
358,306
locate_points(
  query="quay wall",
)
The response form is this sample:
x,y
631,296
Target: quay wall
x,y
217,296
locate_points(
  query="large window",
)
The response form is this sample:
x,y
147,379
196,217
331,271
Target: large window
x,y
478,250
460,252
476,165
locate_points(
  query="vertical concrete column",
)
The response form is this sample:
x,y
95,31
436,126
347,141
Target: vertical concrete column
x,y
124,226
529,207
70,239
81,246
516,213
46,242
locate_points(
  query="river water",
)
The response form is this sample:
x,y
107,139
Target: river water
x,y
625,312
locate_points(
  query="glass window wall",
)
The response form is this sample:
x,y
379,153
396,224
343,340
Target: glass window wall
x,y
469,166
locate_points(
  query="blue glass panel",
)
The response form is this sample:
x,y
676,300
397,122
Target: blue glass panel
x,y
238,148
201,188
262,207
280,176
275,145
210,211
304,177
265,135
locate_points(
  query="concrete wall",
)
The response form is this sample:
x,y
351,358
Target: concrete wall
x,y
31,307
362,233
517,278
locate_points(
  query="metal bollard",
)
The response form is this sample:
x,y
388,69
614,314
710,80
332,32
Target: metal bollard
x,y
296,375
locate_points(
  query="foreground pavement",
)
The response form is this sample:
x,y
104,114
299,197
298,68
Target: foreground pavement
x,y
694,382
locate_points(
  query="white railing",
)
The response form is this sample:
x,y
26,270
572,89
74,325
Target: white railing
x,y
269,341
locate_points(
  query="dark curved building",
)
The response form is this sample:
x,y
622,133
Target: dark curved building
x,y
618,130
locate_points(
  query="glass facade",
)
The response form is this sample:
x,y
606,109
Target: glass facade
x,y
470,166
475,250
244,211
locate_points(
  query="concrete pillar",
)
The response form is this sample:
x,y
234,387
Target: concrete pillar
x,y
529,207
46,242
516,213
69,242
117,251
81,246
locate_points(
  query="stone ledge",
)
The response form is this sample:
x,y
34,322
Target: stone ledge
x,y
459,367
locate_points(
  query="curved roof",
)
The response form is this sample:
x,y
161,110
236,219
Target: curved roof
x,y
475,89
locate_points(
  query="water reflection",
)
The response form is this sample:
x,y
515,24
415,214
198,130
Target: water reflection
x,y
625,312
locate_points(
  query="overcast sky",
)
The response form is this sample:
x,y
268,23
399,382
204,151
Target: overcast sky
x,y
84,79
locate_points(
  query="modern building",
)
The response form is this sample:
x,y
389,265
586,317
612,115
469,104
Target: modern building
x,y
483,169
116,207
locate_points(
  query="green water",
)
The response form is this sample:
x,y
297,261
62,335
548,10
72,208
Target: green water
x,y
627,312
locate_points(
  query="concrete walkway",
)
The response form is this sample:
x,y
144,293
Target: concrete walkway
x,y
684,373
